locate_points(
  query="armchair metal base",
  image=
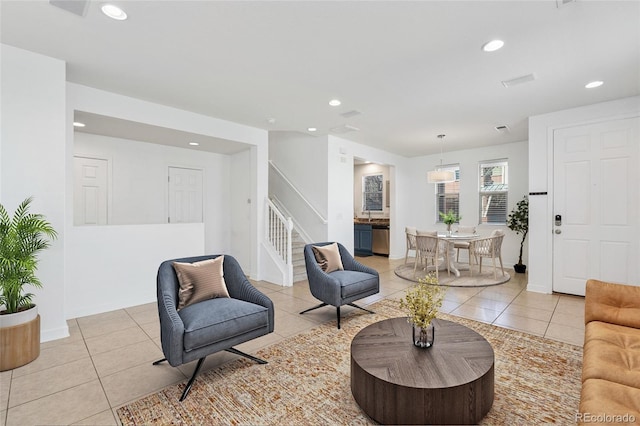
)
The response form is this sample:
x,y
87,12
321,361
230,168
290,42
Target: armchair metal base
x,y
337,310
199,365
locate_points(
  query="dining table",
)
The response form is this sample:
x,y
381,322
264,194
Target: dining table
x,y
451,239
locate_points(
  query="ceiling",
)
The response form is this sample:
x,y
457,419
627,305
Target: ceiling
x,y
412,70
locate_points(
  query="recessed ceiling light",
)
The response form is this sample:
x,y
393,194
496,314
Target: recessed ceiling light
x,y
194,143
114,12
334,102
492,45
312,129
78,124
594,84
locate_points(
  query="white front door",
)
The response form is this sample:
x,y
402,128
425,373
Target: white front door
x,y
90,191
596,190
185,195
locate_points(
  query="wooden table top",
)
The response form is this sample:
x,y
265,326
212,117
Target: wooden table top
x,y
385,350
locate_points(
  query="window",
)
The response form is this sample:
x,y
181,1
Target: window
x,y
448,194
493,192
372,193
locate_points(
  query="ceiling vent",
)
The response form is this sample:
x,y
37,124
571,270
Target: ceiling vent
x,y
346,128
77,7
519,80
351,113
502,129
561,3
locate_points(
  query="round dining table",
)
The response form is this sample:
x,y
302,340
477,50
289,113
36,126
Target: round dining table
x,y
451,239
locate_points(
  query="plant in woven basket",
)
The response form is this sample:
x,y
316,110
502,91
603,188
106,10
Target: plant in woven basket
x,y
422,301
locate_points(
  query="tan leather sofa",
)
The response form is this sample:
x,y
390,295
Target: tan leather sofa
x,y
611,361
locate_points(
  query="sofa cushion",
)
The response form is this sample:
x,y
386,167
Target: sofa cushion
x,y
229,318
200,281
612,303
612,352
619,400
353,283
328,257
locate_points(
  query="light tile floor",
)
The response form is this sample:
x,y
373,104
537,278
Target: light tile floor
x,y
106,362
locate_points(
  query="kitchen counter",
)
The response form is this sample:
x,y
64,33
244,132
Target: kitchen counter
x,y
375,223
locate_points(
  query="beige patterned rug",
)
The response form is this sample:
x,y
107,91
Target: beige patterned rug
x,y
484,279
307,382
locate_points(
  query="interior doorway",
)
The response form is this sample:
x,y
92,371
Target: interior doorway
x,y
185,195
595,203
90,192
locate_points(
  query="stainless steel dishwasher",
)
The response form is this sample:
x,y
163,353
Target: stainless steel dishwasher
x,y
380,240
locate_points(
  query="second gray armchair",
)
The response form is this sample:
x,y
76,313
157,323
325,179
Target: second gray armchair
x,y
342,286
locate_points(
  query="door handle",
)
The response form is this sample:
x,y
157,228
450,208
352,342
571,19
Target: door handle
x,y
558,231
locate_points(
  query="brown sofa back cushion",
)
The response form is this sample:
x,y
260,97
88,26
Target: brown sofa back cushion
x,y
612,303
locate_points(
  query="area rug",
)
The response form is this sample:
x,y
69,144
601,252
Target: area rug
x,y
484,279
306,382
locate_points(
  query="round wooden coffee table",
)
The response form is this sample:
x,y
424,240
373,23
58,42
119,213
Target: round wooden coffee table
x,y
395,382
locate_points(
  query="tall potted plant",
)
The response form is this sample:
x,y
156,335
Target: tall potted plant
x,y
22,237
518,222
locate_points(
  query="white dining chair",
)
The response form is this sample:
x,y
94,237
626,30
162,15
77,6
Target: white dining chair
x,y
463,245
410,233
487,247
430,247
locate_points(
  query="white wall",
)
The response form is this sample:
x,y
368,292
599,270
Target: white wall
x,y
302,159
422,208
340,194
96,101
119,270
361,170
115,266
240,203
33,142
138,180
541,130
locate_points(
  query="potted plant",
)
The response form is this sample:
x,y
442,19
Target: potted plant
x,y
449,219
22,237
421,302
518,222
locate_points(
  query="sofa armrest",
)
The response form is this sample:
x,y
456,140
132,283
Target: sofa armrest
x,y
612,303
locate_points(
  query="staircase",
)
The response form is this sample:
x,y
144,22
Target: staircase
x,y
297,256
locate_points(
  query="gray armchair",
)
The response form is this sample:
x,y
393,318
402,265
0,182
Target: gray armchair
x,y
339,288
211,325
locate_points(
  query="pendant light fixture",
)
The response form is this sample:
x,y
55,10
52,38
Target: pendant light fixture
x,y
439,175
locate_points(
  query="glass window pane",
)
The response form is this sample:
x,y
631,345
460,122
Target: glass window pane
x,y
493,208
448,194
493,192
372,192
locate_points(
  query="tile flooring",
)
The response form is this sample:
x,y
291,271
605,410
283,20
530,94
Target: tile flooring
x,y
106,362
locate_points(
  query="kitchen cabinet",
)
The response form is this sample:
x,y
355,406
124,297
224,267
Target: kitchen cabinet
x,y
362,240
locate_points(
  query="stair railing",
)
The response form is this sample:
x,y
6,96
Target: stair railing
x,y
278,234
